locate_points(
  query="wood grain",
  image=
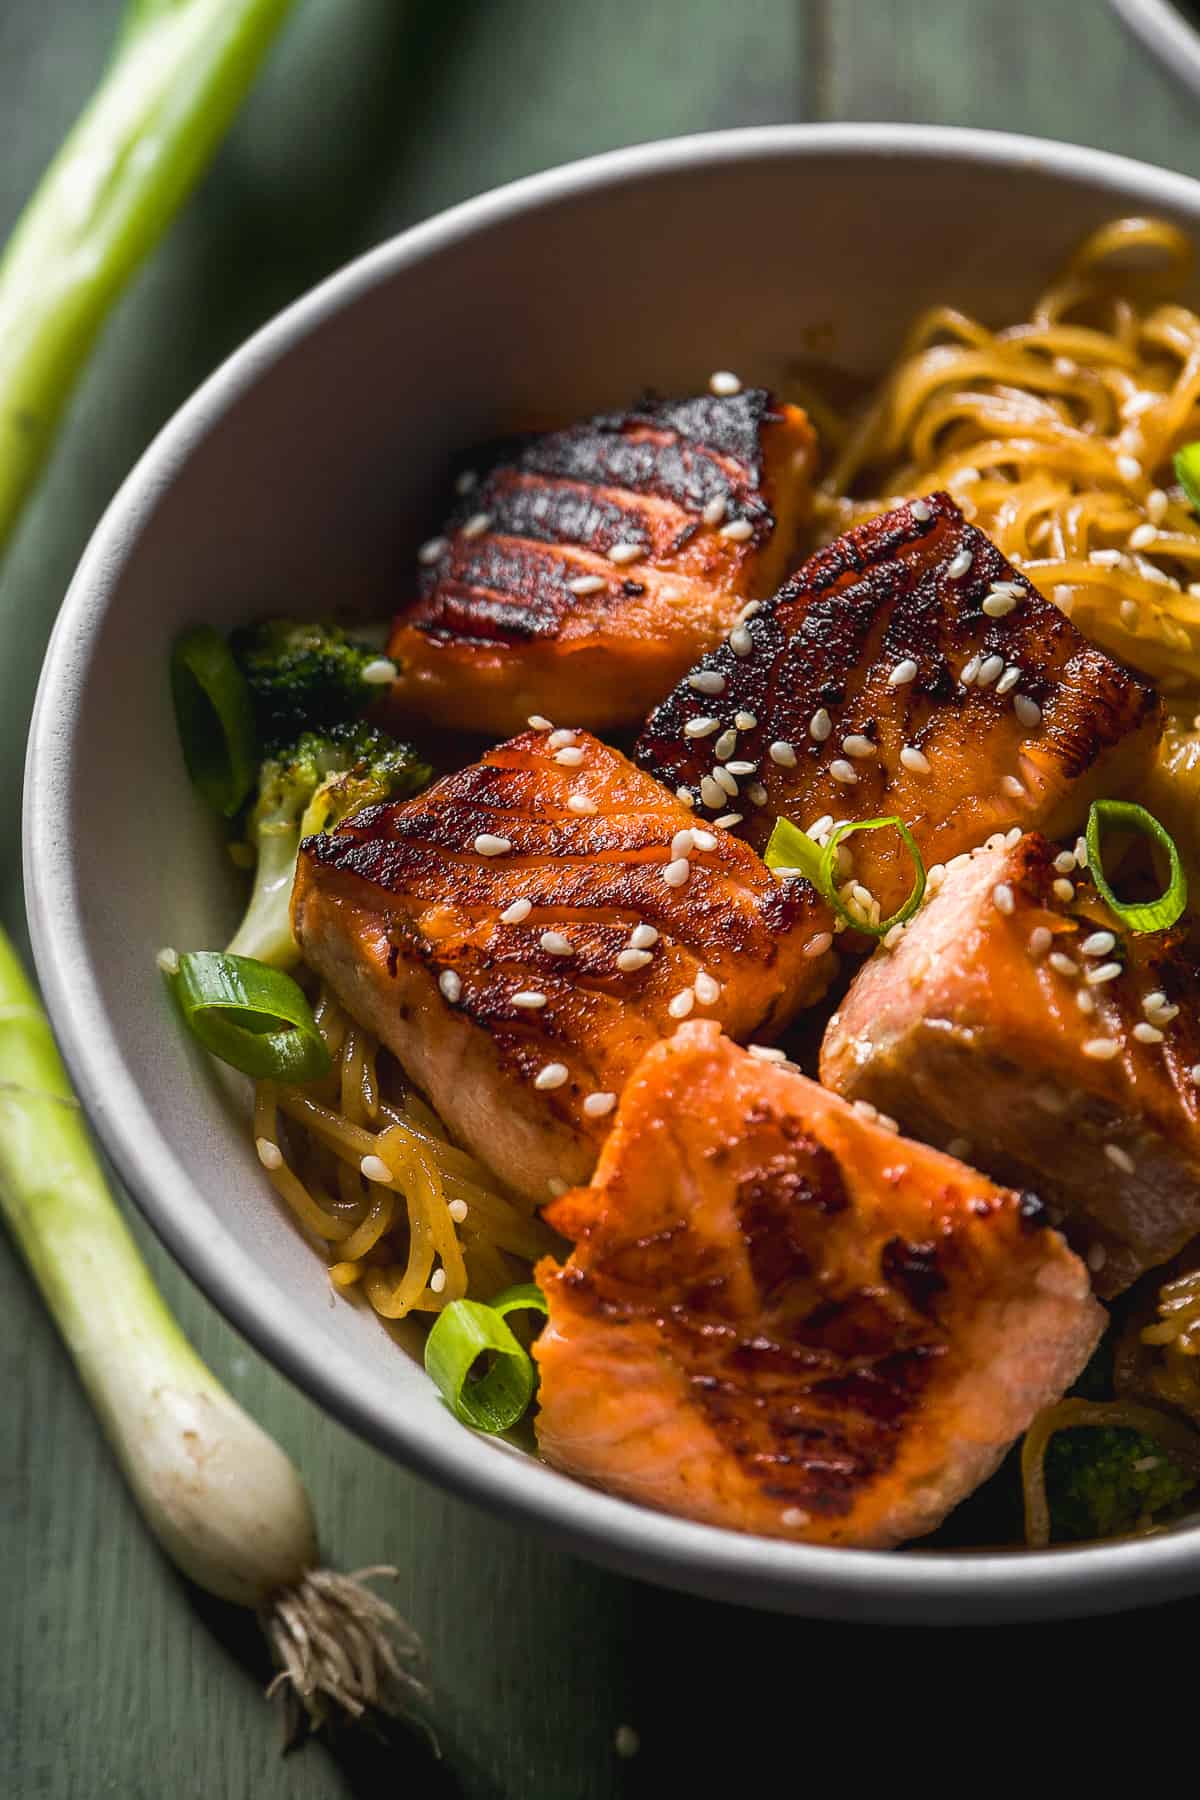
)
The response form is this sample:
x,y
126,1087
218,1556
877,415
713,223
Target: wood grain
x,y
114,1679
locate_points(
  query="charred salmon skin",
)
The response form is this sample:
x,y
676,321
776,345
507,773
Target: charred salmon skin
x,y
522,932
584,576
1017,1021
782,1318
907,669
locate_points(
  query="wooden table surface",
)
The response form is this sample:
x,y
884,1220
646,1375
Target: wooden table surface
x,y
115,1680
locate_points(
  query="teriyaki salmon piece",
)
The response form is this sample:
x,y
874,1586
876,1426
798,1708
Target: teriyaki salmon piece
x,y
907,669
583,576
523,931
1018,1023
780,1317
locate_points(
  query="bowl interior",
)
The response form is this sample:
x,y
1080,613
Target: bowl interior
x,y
303,476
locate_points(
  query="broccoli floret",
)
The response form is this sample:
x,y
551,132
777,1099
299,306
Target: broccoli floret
x,y
303,677
310,787
1100,1480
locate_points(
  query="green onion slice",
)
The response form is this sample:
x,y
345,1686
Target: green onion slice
x,y
215,718
515,1299
253,1017
1187,472
1124,815
464,1331
791,848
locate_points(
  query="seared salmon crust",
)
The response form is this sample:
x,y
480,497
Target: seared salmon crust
x,y
582,576
907,669
779,1317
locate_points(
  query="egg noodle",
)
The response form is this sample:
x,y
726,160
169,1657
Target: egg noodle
x,y
438,1204
1055,437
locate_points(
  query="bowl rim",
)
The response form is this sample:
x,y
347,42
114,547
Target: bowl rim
x,y
1172,39
917,1585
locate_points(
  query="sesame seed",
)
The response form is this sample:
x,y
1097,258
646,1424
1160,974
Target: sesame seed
x,y
683,842
819,728
727,821
624,552
626,1741
642,937
555,944
725,782
756,793
725,745
1154,1002
1040,940
1145,1033
437,1281
740,641
685,796
1156,505
751,608
1129,468
914,760
629,961
1142,537
1065,862
1063,965
707,990
529,999
676,873
375,1169
539,722
707,681
1162,1015
1012,787
487,844
903,673
793,1515
560,738
1097,1256
1009,679
1002,897
451,985
858,746
737,531
781,752
1120,1159
465,482
555,1186
998,606
1081,852
1103,972
550,1075
586,584
1131,614
570,758
1102,1049
580,803
865,1109
598,1106
724,383
476,525
861,895
379,671
767,1052
704,840
712,793
681,1003
269,1153
958,565
1194,1072
989,669
1098,944
432,550
1084,1001
1062,890
921,511
841,771
1028,711
970,670
745,721
715,511
959,1147
513,915
1104,559
168,960
1013,837
741,768
458,1210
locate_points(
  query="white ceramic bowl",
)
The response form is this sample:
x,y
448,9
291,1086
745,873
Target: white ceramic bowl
x,y
304,472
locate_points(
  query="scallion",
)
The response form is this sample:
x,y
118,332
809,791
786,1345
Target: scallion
x,y
215,718
1187,472
791,848
463,1332
253,1017
1125,815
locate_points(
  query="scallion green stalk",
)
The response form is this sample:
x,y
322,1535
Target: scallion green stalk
x,y
223,1500
178,75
